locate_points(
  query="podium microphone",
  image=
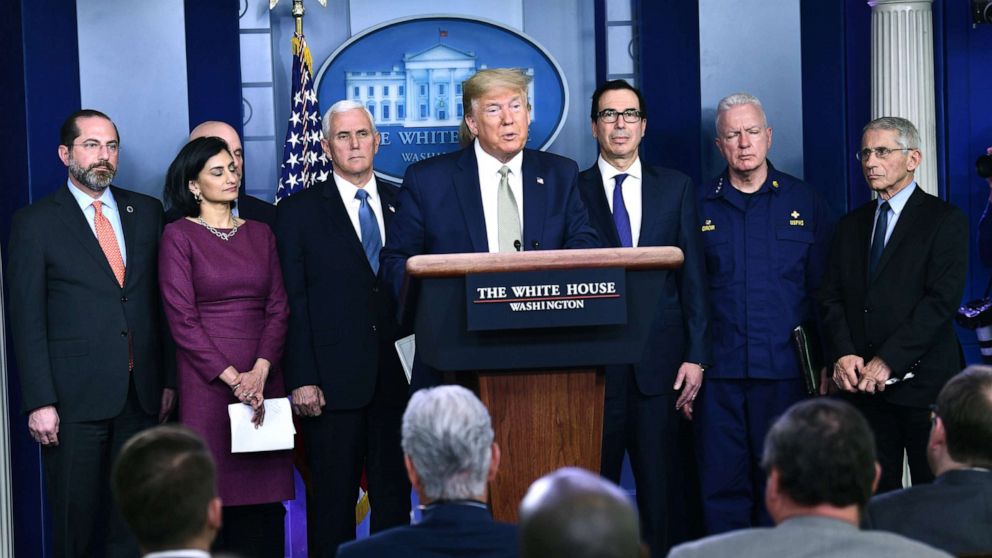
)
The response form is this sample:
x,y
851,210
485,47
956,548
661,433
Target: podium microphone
x,y
517,245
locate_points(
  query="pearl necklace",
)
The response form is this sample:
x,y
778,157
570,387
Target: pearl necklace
x,y
217,233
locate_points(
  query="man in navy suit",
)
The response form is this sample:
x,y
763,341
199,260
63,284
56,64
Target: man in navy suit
x,y
492,196
631,204
340,364
450,458
86,322
954,512
894,280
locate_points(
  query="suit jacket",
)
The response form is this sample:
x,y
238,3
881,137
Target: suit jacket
x,y
905,313
806,537
249,207
446,530
440,210
954,513
342,320
70,318
668,218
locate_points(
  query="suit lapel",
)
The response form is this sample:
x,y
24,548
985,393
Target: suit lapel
x,y
910,213
75,221
340,223
469,193
535,200
599,206
652,202
387,198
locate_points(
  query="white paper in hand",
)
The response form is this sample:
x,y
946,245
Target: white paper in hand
x,y
276,432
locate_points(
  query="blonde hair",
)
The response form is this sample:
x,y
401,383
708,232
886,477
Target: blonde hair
x,y
482,82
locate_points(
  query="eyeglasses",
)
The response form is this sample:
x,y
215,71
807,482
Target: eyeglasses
x,y
933,413
630,116
95,146
880,152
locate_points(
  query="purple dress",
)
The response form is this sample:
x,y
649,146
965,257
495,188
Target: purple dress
x,y
226,306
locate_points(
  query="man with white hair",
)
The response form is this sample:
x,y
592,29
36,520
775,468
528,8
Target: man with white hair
x,y
346,380
766,236
450,457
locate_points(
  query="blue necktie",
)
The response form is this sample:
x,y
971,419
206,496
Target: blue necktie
x,y
620,216
878,239
371,240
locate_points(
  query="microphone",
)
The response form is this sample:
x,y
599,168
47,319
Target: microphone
x,y
517,245
535,244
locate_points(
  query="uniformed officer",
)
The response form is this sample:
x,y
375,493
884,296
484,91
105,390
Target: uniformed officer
x,y
766,235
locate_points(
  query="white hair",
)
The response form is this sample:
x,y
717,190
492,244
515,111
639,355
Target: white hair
x,y
735,100
344,106
906,135
448,435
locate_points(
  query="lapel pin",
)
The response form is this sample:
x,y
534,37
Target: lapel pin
x,y
130,209
540,180
391,209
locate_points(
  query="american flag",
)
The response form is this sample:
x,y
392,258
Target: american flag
x,y
303,161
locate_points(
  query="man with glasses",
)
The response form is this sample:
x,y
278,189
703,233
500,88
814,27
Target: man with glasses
x,y
85,320
894,280
765,236
631,204
953,513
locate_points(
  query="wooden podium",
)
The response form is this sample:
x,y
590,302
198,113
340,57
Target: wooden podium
x,y
543,387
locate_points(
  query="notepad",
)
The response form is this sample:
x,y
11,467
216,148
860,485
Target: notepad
x,y
276,432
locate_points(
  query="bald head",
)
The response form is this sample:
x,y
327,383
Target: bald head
x,y
572,512
222,130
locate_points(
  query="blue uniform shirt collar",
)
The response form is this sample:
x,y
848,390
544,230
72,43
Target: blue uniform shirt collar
x,y
773,182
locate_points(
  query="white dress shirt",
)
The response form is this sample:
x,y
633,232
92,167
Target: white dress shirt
x,y
347,190
896,204
109,210
631,190
489,183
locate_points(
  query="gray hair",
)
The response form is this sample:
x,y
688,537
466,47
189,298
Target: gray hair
x,y
448,436
738,99
572,512
906,135
344,106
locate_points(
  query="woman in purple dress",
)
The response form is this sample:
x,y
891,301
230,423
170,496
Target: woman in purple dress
x,y
227,311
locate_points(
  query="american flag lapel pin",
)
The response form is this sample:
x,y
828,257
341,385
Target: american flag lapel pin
x,y
540,180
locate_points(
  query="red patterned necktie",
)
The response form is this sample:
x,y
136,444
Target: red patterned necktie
x,y
108,242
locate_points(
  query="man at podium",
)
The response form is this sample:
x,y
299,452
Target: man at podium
x,y
491,196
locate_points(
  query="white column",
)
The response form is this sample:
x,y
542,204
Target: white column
x,y
902,78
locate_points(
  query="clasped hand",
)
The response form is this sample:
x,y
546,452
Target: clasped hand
x,y
851,374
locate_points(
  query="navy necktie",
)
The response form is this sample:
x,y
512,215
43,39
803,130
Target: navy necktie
x,y
878,239
371,239
620,217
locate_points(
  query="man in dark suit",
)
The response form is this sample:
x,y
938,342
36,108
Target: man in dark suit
x,y
631,204
955,512
169,522
894,280
572,512
248,207
450,457
492,196
346,380
820,459
86,323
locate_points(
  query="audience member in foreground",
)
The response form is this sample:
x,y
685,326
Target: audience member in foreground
x,y
164,482
955,512
450,458
820,459
572,513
